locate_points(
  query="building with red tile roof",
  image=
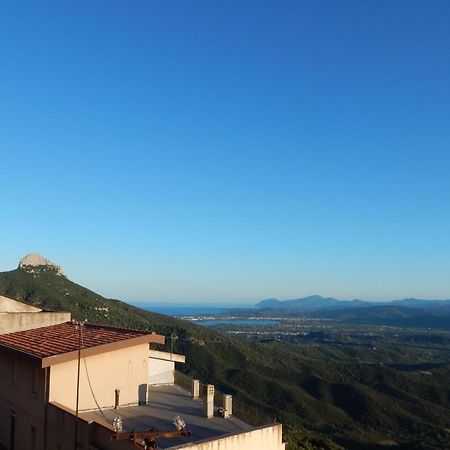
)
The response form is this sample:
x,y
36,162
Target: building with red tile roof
x,y
64,368
58,343
63,386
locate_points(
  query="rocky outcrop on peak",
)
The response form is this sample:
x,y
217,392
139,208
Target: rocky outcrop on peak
x,y
34,262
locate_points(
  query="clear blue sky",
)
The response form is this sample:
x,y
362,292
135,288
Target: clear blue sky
x,y
229,150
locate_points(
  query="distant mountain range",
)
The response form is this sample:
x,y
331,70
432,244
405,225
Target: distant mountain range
x,y
314,302
409,312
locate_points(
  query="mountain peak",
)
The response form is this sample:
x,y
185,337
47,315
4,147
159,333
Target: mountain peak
x,y
33,261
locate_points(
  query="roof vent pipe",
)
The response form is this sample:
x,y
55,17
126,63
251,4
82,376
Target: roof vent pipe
x,y
195,388
208,400
227,404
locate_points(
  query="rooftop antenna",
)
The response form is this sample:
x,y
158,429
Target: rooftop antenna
x,y
78,326
147,439
173,337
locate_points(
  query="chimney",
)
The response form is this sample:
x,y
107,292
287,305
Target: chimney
x,y
208,400
195,388
227,405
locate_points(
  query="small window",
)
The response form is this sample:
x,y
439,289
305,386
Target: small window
x,y
12,430
32,438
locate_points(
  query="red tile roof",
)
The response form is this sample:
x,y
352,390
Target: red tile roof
x,y
61,339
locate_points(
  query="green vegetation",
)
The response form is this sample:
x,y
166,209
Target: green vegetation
x,y
328,395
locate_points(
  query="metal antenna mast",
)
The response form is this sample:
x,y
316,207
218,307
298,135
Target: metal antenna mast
x,y
78,326
173,337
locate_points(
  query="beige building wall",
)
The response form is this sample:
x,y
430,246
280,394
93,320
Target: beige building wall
x,y
268,437
20,321
125,369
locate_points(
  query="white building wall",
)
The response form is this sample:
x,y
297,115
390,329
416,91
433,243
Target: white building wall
x,y
161,372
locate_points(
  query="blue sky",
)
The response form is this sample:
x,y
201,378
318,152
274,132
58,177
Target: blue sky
x,y
229,151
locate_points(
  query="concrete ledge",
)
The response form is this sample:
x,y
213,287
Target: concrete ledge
x,y
167,356
9,305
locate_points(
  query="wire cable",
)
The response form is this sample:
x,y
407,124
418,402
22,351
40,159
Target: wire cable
x,y
88,378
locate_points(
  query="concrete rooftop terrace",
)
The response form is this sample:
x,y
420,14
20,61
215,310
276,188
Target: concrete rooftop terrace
x,y
166,402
